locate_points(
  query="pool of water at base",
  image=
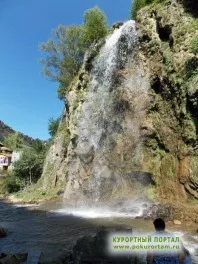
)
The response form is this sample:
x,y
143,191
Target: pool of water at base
x,y
52,227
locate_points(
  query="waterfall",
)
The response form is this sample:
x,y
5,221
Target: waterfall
x,y
97,109
108,126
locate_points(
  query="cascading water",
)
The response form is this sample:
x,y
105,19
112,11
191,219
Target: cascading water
x,y
107,129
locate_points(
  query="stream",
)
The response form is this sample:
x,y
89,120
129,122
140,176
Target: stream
x,y
52,228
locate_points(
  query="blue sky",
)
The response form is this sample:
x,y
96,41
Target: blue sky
x,y
27,98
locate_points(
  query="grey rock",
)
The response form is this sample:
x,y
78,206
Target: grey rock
x,y
3,232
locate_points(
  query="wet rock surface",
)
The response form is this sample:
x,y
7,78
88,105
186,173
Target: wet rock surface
x,y
157,210
3,232
94,250
13,259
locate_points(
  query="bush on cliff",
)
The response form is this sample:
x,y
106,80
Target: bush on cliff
x,y
138,4
53,125
194,44
95,25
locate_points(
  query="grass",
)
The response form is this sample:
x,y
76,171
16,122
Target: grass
x,y
34,194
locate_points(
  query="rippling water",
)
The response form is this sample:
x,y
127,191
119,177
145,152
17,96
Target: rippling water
x,y
52,228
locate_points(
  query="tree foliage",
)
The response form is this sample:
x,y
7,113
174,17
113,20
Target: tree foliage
x,y
39,146
10,184
30,165
14,141
137,5
95,25
53,125
65,52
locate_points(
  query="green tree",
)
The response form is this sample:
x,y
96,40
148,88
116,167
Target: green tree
x,y
137,5
95,25
30,165
53,126
39,146
65,53
14,141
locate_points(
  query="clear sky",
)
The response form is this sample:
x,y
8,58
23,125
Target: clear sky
x,y
27,98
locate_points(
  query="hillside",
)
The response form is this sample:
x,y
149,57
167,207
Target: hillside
x,y
5,130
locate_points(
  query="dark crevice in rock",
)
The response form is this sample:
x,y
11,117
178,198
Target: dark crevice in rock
x,y
191,6
165,33
156,85
171,42
74,141
121,106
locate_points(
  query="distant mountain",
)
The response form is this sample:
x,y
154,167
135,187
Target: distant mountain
x,y
5,130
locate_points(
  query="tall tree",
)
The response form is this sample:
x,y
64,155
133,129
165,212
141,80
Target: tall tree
x,y
136,5
65,53
30,165
14,141
95,25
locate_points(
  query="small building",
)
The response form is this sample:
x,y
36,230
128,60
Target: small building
x,y
5,157
5,161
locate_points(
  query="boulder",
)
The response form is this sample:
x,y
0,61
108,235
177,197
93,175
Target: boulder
x,y
10,259
21,257
3,232
63,258
90,249
158,210
117,24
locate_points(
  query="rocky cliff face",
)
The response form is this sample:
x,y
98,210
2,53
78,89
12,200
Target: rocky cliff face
x,y
131,115
166,33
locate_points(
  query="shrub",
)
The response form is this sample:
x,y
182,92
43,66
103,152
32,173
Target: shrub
x,y
10,184
53,125
191,67
194,44
138,4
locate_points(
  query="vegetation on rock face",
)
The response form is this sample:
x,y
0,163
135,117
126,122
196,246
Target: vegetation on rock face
x,y
65,51
138,4
53,125
190,6
194,44
168,41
